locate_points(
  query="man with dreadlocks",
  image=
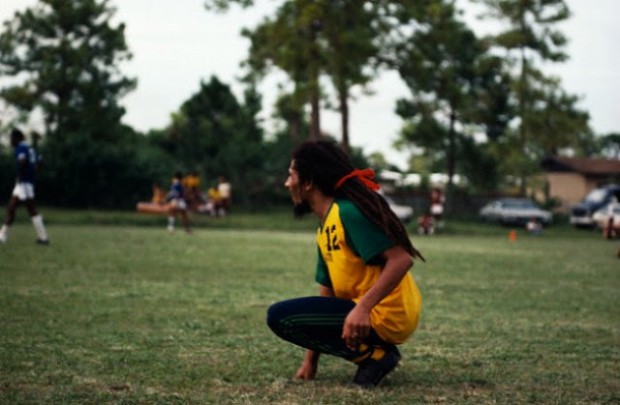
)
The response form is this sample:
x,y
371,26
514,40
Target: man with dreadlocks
x,y
368,300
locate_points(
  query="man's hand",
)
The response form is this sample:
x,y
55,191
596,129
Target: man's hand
x,y
356,327
309,366
306,371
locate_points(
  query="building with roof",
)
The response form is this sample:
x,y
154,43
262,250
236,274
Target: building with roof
x,y
569,179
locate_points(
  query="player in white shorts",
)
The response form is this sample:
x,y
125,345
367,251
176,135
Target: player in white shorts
x,y
26,160
178,206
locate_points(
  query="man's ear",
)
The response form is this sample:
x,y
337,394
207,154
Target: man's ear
x,y
307,186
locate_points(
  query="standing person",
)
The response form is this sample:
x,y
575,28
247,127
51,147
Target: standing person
x,y
534,227
191,188
178,206
225,191
368,302
27,161
437,204
609,230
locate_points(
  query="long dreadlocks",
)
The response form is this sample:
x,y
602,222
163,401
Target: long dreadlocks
x,y
323,164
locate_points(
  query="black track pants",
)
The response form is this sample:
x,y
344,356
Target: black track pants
x,y
316,323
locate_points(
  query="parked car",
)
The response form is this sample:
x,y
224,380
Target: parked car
x,y
514,211
582,214
403,212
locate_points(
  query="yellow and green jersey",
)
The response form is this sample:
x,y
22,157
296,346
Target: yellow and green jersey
x,y
349,262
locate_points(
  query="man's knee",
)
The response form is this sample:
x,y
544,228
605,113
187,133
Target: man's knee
x,y
275,314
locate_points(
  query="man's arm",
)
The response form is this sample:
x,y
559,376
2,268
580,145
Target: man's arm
x,y
310,363
357,324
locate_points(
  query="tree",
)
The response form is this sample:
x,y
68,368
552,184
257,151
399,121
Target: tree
x,y
217,135
555,122
80,172
530,36
289,108
609,145
223,5
351,30
290,43
440,64
378,161
64,56
310,39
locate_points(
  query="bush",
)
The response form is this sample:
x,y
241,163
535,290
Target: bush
x,y
80,172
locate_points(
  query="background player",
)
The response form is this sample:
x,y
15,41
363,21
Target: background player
x,y
178,206
26,162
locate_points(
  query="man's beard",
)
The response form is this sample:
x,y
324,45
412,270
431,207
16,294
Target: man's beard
x,y
302,209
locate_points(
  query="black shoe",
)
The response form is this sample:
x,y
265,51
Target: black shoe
x,y
44,242
370,372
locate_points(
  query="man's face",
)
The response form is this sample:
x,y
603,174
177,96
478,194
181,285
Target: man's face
x,y
296,190
15,141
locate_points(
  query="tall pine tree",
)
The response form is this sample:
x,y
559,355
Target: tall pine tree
x,y
65,58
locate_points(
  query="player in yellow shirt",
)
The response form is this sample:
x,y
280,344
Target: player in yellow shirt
x,y
191,187
368,302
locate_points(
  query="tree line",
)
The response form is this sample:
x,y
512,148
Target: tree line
x,y
478,106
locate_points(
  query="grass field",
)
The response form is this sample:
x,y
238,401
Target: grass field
x,y
132,314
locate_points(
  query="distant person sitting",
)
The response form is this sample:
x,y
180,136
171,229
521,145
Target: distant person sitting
x,y
534,227
426,224
159,195
213,201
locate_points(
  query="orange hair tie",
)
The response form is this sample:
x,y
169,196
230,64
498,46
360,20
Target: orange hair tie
x,y
364,175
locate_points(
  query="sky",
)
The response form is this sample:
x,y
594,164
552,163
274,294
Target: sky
x,y
177,43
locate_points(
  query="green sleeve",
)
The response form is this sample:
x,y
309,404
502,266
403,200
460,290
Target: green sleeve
x,y
322,275
364,236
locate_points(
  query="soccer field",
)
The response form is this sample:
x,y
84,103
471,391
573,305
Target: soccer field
x,y
136,315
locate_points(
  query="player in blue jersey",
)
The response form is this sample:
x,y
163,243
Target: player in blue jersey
x,y
176,200
27,161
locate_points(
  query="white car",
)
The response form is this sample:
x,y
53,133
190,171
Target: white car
x,y
582,214
514,211
403,212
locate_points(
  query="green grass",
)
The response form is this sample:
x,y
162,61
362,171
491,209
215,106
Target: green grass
x,y
132,314
275,219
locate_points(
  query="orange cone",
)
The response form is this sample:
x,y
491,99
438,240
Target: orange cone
x,y
512,235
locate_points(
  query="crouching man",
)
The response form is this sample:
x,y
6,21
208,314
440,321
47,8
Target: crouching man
x,y
369,302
